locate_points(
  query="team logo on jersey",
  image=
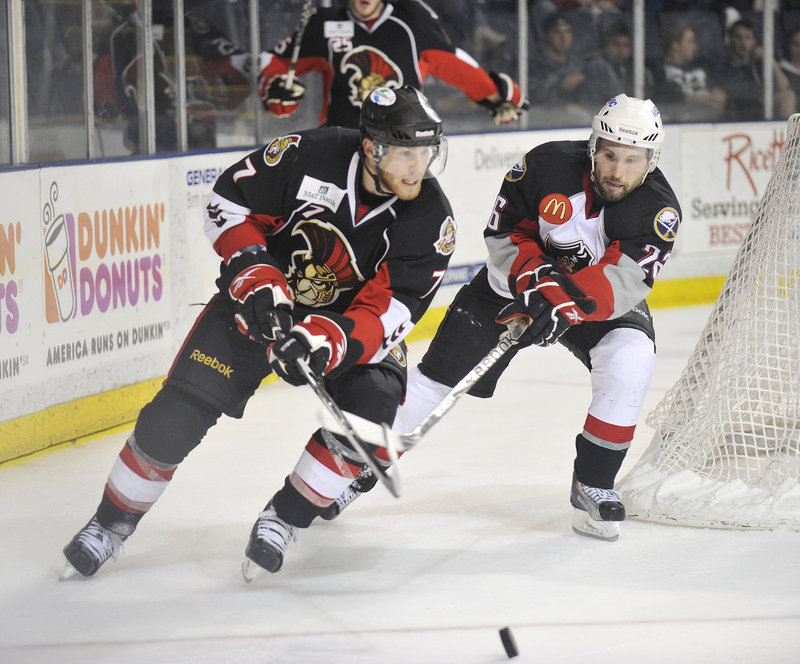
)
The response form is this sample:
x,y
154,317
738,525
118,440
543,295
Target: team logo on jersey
x,y
666,223
572,256
369,68
397,353
324,267
517,171
447,238
555,209
274,151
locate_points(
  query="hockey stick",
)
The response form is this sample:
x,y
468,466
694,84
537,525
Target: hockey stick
x,y
298,40
380,434
389,477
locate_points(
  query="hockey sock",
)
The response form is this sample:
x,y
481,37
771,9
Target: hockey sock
x,y
323,472
595,465
134,484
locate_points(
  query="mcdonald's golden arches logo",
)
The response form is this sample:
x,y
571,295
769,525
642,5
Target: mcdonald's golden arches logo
x,y
555,209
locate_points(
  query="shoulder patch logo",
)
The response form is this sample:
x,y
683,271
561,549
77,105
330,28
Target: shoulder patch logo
x,y
666,223
446,243
274,151
555,209
397,353
517,171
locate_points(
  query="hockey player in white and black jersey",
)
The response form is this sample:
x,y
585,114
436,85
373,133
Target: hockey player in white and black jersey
x,y
578,234
333,241
370,43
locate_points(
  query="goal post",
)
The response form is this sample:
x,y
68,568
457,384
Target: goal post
x,y
726,448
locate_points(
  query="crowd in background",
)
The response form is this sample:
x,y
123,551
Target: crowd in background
x,y
703,62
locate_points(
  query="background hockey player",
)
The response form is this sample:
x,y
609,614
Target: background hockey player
x,y
577,236
370,42
334,242
217,75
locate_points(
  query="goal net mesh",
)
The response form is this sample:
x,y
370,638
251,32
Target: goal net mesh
x,y
726,449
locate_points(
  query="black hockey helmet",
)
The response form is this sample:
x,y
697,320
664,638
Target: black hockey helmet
x,y
399,116
403,117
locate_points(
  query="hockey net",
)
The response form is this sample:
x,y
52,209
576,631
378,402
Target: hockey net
x,y
726,449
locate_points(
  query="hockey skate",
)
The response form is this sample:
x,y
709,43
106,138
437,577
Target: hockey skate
x,y
268,541
90,548
597,511
362,483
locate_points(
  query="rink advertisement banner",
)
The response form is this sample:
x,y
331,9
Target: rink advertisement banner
x,y
95,307
724,171
21,281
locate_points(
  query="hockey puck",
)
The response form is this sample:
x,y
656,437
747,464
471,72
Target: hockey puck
x,y
508,642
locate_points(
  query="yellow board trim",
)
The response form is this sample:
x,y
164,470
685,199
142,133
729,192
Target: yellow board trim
x,y
100,413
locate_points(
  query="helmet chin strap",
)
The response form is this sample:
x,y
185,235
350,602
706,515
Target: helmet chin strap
x,y
376,179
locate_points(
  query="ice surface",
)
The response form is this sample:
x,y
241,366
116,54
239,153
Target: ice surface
x,y
480,539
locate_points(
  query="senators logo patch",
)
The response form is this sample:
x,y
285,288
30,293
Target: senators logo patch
x,y
555,209
446,243
397,353
666,223
323,266
274,151
369,68
517,171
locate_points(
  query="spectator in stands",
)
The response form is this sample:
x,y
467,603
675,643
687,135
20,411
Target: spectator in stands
x,y
611,73
790,65
684,88
741,77
468,27
558,83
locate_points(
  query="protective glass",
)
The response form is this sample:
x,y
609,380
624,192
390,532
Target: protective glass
x,y
412,162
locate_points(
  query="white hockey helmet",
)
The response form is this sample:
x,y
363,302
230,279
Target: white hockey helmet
x,y
630,121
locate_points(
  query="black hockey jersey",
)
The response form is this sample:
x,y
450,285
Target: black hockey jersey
x,y
402,46
379,262
546,206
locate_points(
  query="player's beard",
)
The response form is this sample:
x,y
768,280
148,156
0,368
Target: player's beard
x,y
399,186
613,194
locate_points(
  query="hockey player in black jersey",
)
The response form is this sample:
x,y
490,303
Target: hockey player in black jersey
x,y
334,242
370,43
578,234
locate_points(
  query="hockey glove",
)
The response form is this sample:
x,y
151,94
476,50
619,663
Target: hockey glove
x,y
277,99
261,299
512,100
549,298
318,340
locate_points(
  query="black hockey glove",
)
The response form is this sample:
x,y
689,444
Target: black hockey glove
x,y
512,100
549,298
318,340
277,99
261,299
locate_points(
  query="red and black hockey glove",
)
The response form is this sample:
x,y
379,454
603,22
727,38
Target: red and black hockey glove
x,y
277,99
512,100
549,298
261,299
318,339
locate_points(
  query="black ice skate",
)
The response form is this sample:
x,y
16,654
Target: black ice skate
x,y
90,548
361,483
597,511
268,541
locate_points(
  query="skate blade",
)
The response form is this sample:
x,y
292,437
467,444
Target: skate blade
x,y
69,572
251,571
582,524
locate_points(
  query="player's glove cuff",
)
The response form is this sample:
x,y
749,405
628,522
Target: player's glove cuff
x,y
512,100
279,100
